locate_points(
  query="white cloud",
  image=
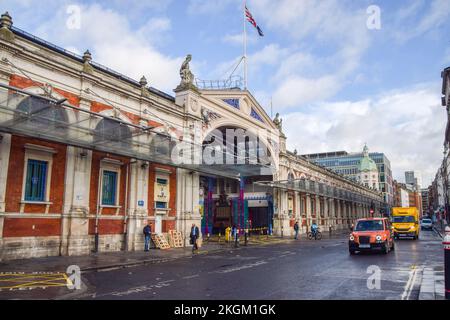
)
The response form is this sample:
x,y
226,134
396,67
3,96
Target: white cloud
x,y
297,91
115,44
437,13
407,125
303,76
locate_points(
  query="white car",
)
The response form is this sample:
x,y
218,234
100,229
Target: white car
x,y
426,223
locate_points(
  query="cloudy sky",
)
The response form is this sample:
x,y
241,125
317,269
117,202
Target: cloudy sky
x,y
336,82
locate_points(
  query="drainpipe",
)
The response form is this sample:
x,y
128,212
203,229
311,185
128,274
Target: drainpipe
x,y
126,216
96,236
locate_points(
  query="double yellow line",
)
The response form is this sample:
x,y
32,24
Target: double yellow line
x,y
12,280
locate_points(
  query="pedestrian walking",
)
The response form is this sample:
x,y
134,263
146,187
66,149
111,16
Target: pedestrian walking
x,y
234,232
296,227
147,236
195,233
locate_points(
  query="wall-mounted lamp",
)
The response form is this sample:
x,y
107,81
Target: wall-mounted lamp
x,y
60,101
83,154
144,165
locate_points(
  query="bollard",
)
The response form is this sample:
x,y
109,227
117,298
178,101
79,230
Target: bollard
x,y
245,237
236,240
219,237
446,244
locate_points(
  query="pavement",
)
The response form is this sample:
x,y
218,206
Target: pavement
x,y
279,269
433,281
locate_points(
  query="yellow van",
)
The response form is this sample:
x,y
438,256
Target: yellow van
x,y
405,222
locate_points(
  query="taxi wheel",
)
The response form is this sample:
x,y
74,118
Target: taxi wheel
x,y
386,247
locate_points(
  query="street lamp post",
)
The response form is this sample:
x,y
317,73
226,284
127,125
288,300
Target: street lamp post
x,y
446,244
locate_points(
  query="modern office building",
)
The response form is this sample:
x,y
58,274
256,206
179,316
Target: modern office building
x,y
425,201
414,179
347,164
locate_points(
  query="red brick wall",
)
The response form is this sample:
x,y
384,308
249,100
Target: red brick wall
x,y
99,107
23,227
168,225
16,172
23,83
106,226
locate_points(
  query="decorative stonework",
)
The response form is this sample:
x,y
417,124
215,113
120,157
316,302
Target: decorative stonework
x,y
209,116
87,58
5,27
144,91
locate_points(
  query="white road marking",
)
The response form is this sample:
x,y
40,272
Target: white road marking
x,y
238,268
410,284
190,277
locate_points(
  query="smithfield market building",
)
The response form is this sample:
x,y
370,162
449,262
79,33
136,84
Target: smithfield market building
x,y
88,156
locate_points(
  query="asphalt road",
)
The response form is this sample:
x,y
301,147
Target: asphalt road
x,y
295,270
300,269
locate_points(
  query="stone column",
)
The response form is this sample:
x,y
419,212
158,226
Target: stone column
x,y
297,213
308,211
75,221
5,148
138,206
188,186
281,219
331,212
325,211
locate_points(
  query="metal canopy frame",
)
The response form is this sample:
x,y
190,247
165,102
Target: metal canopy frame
x,y
81,131
321,189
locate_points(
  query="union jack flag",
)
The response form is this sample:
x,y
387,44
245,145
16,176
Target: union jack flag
x,y
252,21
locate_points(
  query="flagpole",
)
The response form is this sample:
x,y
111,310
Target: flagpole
x,y
245,45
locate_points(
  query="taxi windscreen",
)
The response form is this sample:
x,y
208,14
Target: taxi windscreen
x,y
369,225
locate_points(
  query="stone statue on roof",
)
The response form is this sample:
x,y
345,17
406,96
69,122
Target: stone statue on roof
x,y
187,77
278,122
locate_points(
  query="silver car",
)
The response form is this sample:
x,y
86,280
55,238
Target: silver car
x,y
426,223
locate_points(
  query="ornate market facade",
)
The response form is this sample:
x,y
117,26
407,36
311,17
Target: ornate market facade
x,y
88,156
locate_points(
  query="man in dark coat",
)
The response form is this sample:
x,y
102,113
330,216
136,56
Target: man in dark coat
x,y
296,230
195,234
147,236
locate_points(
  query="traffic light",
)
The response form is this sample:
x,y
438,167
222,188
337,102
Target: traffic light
x,y
372,209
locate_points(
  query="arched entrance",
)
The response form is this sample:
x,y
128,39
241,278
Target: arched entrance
x,y
225,202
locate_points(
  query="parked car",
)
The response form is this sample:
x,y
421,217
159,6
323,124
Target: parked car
x,y
372,234
426,223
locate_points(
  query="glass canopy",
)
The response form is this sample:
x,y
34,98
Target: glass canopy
x,y
27,114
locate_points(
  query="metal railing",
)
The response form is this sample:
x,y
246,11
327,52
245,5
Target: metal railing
x,y
234,82
321,189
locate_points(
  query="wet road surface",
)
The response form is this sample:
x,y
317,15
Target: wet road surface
x,y
294,270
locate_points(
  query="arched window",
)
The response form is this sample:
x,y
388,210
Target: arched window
x,y
162,145
291,176
41,114
108,131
